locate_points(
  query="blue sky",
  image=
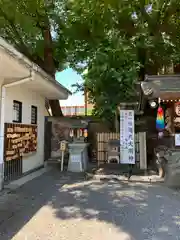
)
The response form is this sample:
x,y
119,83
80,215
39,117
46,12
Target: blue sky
x,y
67,78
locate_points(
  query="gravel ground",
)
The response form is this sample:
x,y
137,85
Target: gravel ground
x,y
55,207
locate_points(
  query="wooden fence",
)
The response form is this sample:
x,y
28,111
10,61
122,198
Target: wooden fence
x,y
102,147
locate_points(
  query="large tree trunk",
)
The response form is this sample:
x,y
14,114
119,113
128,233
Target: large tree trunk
x,y
49,65
142,59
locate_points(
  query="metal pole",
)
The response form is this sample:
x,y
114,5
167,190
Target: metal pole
x,y
62,161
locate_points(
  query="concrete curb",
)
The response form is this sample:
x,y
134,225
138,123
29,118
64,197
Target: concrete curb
x,y
20,182
134,178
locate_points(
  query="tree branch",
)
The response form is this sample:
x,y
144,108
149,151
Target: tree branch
x,y
14,29
20,45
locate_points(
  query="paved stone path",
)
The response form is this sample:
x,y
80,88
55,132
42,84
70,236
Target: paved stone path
x,y
54,207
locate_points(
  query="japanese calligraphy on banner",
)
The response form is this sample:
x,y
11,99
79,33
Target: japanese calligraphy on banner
x,y
127,146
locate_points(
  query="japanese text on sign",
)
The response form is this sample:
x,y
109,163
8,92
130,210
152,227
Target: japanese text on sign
x,y
127,146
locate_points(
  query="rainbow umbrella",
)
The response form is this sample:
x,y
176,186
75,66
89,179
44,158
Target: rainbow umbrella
x,y
160,124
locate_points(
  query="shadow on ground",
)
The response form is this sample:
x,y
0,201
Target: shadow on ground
x,y
141,210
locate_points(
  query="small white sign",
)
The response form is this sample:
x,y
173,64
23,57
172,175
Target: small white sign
x,y
177,108
75,158
177,140
127,146
63,146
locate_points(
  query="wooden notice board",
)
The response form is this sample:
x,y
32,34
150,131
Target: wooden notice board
x,y
20,139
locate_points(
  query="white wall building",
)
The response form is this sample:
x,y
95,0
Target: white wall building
x,y
24,89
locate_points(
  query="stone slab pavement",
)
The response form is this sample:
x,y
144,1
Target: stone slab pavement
x,y
67,207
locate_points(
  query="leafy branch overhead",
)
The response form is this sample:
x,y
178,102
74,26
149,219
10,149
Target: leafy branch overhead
x,y
121,41
23,23
117,41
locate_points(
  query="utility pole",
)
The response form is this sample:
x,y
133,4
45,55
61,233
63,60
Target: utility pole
x,y
85,100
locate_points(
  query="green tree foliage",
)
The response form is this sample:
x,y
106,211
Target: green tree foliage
x,y
36,29
151,27
117,41
121,41
110,78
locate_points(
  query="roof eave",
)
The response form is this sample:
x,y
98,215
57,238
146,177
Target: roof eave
x,y
31,65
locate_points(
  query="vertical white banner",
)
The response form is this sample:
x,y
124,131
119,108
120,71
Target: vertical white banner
x,y
127,145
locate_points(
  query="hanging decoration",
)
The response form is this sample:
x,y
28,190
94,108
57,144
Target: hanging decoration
x,y
160,123
160,134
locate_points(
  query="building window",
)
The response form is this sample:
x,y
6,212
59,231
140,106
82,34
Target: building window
x,y
73,111
17,111
68,111
33,115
